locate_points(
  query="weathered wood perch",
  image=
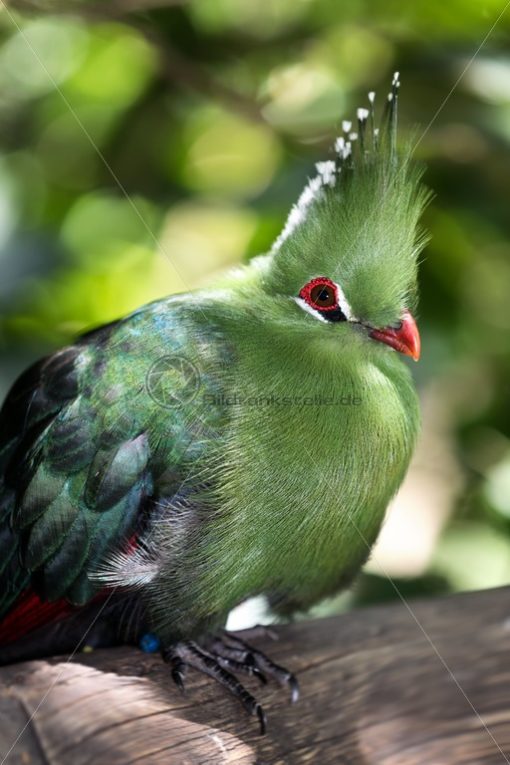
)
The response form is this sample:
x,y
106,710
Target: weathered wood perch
x,y
375,689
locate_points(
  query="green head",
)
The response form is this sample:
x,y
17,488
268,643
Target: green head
x,y
349,250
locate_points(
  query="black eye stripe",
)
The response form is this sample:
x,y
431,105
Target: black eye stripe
x,y
335,315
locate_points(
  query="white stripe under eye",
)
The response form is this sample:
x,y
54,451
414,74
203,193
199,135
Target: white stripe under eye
x,y
308,308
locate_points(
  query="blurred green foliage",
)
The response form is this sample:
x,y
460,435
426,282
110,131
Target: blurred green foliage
x,y
145,145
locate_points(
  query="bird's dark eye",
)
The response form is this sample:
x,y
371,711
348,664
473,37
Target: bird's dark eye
x,y
323,296
320,293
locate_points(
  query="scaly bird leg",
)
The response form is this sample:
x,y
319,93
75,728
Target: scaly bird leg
x,y
190,654
224,655
263,663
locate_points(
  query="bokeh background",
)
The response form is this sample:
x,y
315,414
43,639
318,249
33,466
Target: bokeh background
x,y
147,144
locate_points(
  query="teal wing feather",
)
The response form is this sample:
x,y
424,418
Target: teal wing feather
x,y
86,449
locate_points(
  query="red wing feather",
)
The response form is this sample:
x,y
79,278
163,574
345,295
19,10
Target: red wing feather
x,y
29,613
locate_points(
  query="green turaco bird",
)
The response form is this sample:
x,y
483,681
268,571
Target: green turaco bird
x,y
235,441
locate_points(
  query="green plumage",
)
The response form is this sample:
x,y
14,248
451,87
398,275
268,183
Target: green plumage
x,y
273,478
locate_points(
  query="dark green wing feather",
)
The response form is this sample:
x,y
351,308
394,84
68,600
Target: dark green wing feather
x,y
85,450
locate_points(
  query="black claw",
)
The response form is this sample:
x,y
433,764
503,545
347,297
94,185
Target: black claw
x,y
177,667
262,719
178,679
294,688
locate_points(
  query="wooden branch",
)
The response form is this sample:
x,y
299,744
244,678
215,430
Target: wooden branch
x,y
375,691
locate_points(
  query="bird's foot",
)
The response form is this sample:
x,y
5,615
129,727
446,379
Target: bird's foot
x,y
225,655
232,647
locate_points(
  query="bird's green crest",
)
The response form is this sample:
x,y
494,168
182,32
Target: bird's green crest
x,y
356,222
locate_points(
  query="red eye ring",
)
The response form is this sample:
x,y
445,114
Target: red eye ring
x,y
321,294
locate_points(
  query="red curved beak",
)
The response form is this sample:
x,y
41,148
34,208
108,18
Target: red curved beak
x,y
405,339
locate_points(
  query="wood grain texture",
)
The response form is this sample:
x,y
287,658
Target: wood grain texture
x,y
380,686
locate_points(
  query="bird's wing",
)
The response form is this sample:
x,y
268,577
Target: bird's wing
x,y
89,437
